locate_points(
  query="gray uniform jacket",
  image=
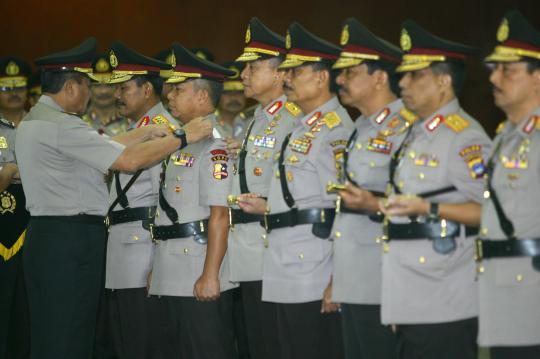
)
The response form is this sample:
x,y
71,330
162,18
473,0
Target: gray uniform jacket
x,y
357,245
129,248
7,142
63,162
271,125
197,177
297,265
420,285
509,287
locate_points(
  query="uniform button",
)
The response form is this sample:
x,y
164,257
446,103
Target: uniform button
x,y
422,259
338,234
519,277
378,240
277,174
484,231
135,238
351,174
480,269
386,248
401,184
371,164
186,250
412,154
301,256
421,175
486,194
178,178
358,146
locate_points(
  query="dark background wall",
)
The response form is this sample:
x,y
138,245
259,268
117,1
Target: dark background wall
x,y
31,28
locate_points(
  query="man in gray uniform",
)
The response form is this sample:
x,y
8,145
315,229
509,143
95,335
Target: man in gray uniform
x,y
62,163
367,82
298,219
273,119
232,102
508,276
191,222
428,282
134,317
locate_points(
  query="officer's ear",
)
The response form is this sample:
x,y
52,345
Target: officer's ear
x,y
148,89
381,79
323,78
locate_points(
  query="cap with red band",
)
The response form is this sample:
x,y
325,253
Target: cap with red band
x,y
360,45
14,73
303,46
78,59
187,65
517,39
127,63
423,48
261,42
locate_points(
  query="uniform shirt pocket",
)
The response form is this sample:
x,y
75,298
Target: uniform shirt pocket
x,y
513,272
186,247
134,234
305,251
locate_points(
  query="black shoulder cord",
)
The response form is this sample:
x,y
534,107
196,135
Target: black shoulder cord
x,y
121,192
171,213
242,160
287,196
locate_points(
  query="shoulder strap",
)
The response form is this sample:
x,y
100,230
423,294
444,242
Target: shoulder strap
x,y
394,162
121,192
171,213
350,144
287,196
242,160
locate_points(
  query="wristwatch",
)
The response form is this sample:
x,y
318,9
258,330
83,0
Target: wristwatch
x,y
181,134
433,215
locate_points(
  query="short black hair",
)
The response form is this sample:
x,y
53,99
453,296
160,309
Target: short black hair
x,y
155,81
390,69
326,65
456,70
277,60
532,65
53,81
214,89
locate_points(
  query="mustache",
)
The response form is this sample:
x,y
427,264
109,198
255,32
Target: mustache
x,y
343,89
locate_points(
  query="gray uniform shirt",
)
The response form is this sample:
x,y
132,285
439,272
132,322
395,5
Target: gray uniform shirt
x,y
420,285
197,177
271,125
297,264
357,245
129,248
62,162
510,287
7,142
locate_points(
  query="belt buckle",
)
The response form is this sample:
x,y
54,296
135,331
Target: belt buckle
x,y
266,222
151,230
107,222
478,251
231,224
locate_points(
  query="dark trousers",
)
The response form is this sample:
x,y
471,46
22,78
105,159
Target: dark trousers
x,y
438,341
528,352
203,330
14,317
239,321
306,333
261,322
364,337
63,263
138,325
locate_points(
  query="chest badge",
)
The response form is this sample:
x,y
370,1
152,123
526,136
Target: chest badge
x,y
3,142
7,203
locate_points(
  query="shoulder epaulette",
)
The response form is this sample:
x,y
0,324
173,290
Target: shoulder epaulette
x,y
331,119
456,122
500,127
292,108
7,123
408,115
160,120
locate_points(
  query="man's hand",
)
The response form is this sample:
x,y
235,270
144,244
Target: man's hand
x,y
252,203
327,305
158,131
206,288
404,205
356,198
233,147
198,129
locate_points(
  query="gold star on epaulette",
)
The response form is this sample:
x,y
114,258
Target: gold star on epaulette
x,y
331,119
293,108
408,115
456,122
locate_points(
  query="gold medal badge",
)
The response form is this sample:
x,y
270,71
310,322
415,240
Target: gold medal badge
x,y
7,203
405,40
503,31
113,60
12,69
3,142
102,66
248,34
288,40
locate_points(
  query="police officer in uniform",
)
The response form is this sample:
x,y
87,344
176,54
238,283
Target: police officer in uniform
x,y
34,89
102,113
428,281
191,222
232,102
134,317
274,118
509,275
14,74
298,218
62,163
367,82
14,325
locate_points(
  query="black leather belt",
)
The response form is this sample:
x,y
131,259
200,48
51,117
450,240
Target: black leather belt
x,y
527,247
179,230
131,215
417,230
374,216
296,217
82,218
240,217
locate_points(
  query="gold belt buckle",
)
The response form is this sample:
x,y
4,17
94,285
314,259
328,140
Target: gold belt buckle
x,y
478,253
231,224
151,230
266,222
